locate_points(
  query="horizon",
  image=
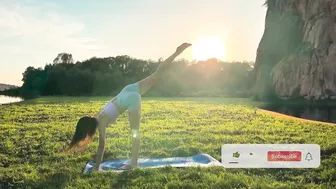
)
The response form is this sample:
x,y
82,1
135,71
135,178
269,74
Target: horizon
x,y
33,34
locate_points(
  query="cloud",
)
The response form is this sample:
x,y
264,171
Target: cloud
x,y
32,34
31,27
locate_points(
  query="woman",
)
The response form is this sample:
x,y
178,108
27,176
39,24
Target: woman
x,y
128,99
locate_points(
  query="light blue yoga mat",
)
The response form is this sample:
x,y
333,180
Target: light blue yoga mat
x,y
199,160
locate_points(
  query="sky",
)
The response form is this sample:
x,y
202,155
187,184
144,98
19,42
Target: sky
x,y
33,32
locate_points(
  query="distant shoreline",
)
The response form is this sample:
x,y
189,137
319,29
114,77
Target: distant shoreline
x,y
6,86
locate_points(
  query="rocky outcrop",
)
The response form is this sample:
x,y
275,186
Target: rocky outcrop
x,y
296,57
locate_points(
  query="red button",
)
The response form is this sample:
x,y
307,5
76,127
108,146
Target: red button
x,y
284,156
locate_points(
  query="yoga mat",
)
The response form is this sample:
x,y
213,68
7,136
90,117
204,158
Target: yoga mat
x,y
199,160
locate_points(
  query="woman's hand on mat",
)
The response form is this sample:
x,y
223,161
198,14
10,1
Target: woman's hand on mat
x,y
182,47
95,170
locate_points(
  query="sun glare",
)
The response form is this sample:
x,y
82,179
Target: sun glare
x,y
208,47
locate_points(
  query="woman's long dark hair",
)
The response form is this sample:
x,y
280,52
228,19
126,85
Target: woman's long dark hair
x,y
85,129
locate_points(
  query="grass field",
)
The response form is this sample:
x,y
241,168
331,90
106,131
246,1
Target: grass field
x,y
33,134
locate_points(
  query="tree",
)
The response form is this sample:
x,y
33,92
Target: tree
x,y
63,58
107,76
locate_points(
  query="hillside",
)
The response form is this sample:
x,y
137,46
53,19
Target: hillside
x,y
6,86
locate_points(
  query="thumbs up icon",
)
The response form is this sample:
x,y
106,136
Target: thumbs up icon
x,y
309,157
236,155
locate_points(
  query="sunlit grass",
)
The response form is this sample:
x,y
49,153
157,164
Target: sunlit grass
x,y
33,134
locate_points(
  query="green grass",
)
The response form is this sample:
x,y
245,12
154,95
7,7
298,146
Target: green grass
x,y
33,134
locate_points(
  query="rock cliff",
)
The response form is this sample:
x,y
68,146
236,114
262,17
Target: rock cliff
x,y
296,57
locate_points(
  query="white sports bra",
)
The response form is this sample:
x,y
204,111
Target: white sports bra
x,y
111,110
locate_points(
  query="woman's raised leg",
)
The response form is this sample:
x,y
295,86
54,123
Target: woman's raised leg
x,y
149,81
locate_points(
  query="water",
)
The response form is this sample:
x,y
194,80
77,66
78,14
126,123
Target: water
x,y
7,99
316,113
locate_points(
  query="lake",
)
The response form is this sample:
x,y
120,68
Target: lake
x,y
311,112
7,99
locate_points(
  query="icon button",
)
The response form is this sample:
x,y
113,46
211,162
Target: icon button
x,y
236,154
284,156
309,156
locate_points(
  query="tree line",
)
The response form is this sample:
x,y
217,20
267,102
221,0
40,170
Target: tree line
x,y
108,75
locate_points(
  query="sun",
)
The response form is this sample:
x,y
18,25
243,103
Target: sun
x,y
209,47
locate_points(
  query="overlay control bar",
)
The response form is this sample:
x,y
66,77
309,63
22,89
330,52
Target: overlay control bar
x,y
271,155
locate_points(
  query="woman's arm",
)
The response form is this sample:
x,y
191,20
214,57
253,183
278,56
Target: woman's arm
x,y
101,147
